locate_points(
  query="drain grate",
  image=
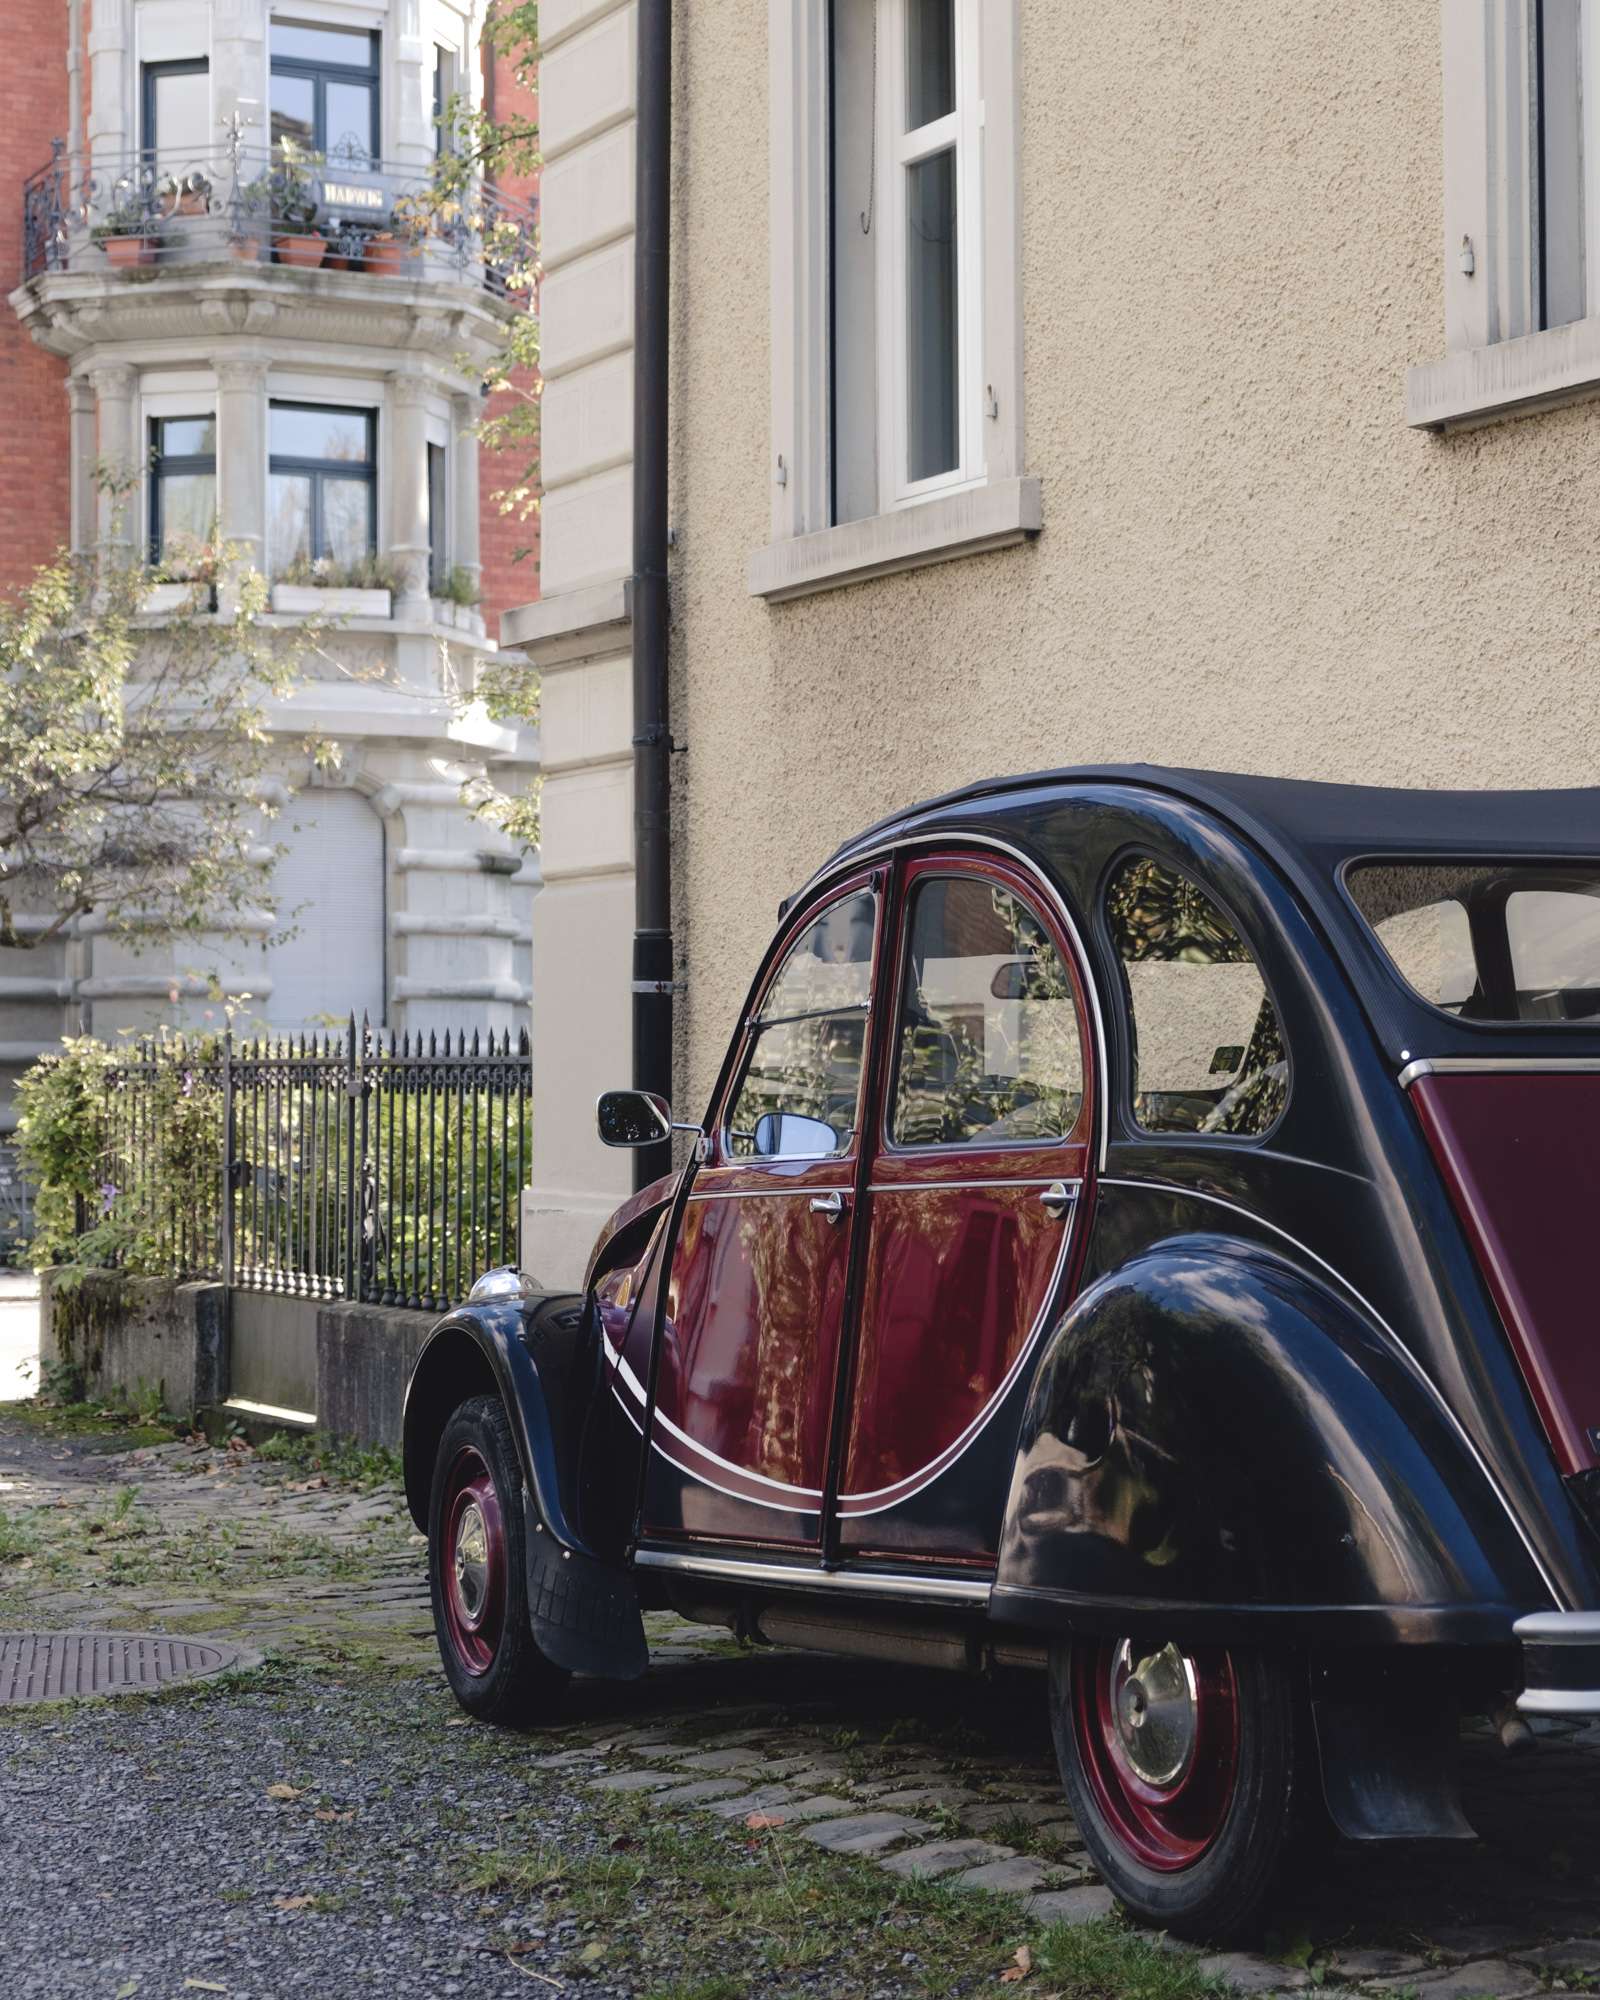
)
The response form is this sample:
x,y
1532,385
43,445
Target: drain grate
x,y
57,1666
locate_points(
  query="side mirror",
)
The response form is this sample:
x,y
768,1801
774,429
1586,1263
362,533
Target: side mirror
x,y
785,1135
633,1118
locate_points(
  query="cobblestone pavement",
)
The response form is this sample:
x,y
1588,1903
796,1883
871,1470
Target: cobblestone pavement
x,y
915,1773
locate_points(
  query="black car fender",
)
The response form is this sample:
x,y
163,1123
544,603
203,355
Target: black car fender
x,y
1218,1444
542,1356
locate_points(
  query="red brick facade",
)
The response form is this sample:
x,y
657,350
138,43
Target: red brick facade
x,y
506,580
34,480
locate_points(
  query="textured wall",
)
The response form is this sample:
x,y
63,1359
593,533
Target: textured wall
x,y
1231,250
509,546
33,405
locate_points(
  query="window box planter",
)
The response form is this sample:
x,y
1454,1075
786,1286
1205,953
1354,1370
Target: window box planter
x,y
310,600
127,253
304,252
162,599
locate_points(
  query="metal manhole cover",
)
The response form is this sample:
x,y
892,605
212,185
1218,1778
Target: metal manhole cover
x,y
59,1666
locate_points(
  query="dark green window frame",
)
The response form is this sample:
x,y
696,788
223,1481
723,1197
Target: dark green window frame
x,y
173,465
322,469
320,74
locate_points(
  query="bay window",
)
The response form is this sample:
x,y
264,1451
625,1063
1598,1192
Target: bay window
x,y
323,474
325,91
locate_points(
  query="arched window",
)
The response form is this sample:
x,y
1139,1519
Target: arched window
x,y
329,885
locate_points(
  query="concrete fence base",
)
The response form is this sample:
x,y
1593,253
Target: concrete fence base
x,y
136,1338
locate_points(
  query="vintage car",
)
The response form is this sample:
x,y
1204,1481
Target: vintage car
x,y
1140,1231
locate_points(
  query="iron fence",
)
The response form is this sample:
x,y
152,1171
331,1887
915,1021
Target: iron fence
x,y
364,1166
143,211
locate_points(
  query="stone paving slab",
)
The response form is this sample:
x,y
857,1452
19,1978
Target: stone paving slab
x,y
944,1857
1020,1875
865,1833
1477,1980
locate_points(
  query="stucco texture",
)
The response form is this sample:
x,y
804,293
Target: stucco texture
x,y
1232,250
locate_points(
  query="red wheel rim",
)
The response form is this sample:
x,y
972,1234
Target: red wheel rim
x,y
1157,1734
472,1562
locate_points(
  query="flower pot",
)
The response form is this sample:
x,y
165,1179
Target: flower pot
x,y
333,263
124,253
304,252
245,249
188,202
385,255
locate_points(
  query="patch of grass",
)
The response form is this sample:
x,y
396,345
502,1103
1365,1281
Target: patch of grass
x,y
718,1987
124,1426
1107,1961
366,1467
18,1537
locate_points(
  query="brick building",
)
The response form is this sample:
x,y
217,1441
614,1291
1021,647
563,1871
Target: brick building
x,y
223,273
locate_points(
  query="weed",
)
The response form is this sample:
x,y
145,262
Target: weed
x,y
1107,1961
363,1466
18,1538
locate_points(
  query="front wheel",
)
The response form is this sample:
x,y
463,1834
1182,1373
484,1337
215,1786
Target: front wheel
x,y
477,1571
1184,1769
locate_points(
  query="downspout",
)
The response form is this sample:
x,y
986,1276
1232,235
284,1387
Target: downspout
x,y
652,734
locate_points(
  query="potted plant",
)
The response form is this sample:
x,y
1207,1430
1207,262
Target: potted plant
x,y
248,213
188,195
124,232
184,578
460,593
383,253
296,239
324,587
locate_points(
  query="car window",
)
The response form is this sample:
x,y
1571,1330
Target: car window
x,y
1209,1054
798,1095
989,1048
1506,942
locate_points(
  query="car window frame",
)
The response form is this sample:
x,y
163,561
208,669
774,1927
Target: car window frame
x,y
1397,979
975,866
1141,851
868,882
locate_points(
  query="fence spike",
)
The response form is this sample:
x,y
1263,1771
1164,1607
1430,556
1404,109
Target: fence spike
x,y
474,1040
447,1041
350,1044
433,1043
522,1041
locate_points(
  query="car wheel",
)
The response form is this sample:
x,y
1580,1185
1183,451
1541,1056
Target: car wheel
x,y
477,1571
1184,1769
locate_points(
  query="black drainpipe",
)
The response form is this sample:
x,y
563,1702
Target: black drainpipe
x,y
652,733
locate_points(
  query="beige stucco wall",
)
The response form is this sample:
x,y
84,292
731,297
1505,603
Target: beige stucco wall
x,y
1232,247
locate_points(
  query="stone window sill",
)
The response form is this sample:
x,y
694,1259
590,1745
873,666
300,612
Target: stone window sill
x,y
1482,385
993,516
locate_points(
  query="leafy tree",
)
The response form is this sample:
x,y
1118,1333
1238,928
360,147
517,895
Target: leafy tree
x,y
132,749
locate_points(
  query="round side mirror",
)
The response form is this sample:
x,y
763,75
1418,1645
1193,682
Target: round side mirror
x,y
633,1118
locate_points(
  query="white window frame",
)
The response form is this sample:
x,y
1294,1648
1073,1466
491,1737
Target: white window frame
x,y
961,130
995,503
1498,362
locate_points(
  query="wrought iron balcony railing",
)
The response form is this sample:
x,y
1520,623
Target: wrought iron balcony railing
x,y
141,213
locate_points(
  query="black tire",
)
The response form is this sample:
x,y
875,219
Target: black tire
x,y
1206,1873
480,1609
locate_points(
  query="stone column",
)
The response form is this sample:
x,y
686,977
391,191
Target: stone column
x,y
117,452
410,135
81,421
241,470
109,137
464,552
239,78
406,479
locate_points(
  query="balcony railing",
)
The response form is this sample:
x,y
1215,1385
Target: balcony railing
x,y
141,213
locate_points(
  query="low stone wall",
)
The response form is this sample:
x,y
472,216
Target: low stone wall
x,y
133,1337
136,1337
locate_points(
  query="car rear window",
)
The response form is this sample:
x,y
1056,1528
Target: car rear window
x,y
1489,941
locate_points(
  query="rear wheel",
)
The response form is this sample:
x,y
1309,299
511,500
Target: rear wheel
x,y
478,1574
1183,1767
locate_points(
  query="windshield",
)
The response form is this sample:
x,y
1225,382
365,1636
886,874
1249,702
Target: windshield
x,y
1489,941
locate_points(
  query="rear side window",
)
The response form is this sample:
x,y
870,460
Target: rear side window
x,y
1491,942
1209,1055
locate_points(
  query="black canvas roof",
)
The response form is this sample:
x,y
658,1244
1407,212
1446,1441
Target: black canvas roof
x,y
1300,818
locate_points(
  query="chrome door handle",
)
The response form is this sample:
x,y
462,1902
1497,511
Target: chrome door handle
x,y
1058,1198
830,1205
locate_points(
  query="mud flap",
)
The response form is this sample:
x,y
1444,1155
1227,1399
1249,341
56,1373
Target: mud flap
x,y
1390,1770
585,1614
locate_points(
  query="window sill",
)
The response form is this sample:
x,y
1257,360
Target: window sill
x,y
959,524
1482,385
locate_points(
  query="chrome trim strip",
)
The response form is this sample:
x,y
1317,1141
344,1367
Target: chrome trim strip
x,y
933,1589
1559,1701
1497,1066
1424,1380
1075,1187
1559,1628
752,1194
957,838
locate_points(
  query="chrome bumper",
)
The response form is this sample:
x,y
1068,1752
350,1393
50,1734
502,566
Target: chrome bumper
x,y
1561,1662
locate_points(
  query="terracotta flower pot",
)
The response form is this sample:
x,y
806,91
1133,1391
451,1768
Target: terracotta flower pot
x,y
125,252
245,249
305,252
384,254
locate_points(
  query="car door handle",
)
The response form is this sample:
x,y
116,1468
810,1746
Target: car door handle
x,y
1058,1198
830,1205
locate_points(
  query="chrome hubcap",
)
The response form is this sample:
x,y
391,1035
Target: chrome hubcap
x,y
1154,1701
472,1560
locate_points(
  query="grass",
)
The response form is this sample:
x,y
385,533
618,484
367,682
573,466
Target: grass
x,y
1107,1961
124,1426
366,1467
18,1538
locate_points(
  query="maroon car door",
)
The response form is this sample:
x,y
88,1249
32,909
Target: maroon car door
x,y
979,1185
756,1295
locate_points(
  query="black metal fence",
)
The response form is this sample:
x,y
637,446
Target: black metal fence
x,y
361,1166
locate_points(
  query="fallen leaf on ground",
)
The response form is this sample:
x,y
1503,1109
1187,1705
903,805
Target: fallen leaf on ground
x,y
324,1813
284,1791
294,1902
592,1953
203,1986
1019,1968
759,1822
128,1988
457,1721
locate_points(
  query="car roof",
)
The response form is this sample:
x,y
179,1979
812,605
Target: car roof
x,y
1306,820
